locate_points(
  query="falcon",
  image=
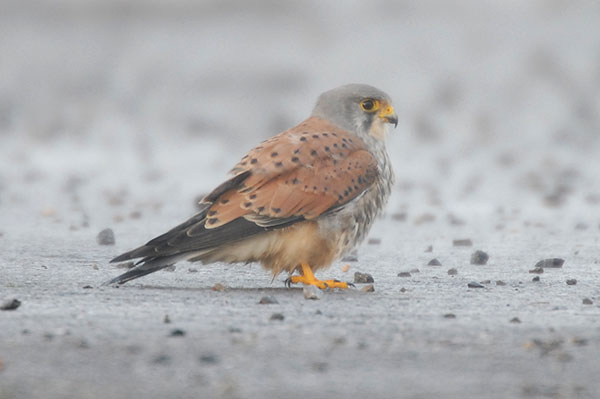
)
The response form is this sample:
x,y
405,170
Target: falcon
x,y
297,201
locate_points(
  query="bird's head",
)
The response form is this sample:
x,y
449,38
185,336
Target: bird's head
x,y
361,109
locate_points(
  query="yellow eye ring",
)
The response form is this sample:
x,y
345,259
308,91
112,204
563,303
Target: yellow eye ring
x,y
369,105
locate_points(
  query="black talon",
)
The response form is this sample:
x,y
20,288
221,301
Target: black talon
x,y
351,285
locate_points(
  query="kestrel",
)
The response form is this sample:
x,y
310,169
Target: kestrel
x,y
297,201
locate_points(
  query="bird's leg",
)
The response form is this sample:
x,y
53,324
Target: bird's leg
x,y
308,278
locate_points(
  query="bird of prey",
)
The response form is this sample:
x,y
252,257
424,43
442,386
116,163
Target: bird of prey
x,y
297,201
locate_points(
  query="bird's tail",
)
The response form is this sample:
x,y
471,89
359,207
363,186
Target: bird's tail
x,y
145,267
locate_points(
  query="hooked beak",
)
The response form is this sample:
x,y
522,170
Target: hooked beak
x,y
388,114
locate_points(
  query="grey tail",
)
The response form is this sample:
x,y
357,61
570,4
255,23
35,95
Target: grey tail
x,y
143,268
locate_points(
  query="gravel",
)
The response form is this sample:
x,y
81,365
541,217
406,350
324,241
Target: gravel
x,y
363,278
552,263
479,258
106,237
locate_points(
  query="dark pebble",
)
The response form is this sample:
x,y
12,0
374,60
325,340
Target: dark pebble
x,y
500,282
537,270
399,217
474,284
368,288
374,241
452,272
267,300
277,316
177,332
209,358
515,320
587,301
404,274
415,270
449,316
125,265
429,248
350,258
167,319
479,258
10,304
106,237
234,330
363,278
571,281
192,270
403,289
536,278
434,262
462,242
485,282
552,263
87,287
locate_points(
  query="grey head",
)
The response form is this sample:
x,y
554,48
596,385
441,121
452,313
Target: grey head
x,y
358,108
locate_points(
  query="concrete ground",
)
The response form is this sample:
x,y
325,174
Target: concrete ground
x,y
120,116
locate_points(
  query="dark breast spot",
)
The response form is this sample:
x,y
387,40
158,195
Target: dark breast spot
x,y
212,221
253,161
279,164
295,159
276,210
274,154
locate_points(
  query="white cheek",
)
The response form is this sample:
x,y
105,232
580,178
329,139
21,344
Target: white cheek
x,y
379,129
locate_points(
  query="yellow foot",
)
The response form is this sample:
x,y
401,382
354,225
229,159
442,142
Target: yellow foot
x,y
308,278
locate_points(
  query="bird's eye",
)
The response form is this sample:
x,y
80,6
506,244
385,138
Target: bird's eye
x,y
369,105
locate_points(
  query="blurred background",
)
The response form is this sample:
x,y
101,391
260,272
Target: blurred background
x,y
112,102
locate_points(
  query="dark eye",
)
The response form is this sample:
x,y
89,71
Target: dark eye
x,y
369,105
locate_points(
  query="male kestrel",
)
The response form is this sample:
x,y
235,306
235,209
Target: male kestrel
x,y
297,201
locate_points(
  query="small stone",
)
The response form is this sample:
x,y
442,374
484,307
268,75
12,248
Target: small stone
x,y
267,300
209,358
500,283
192,270
311,292
374,241
363,278
429,248
403,289
399,217
474,284
485,281
449,316
404,274
345,268
167,319
479,258
537,270
234,330
125,265
552,263
434,262
95,267
581,226
415,270
536,279
351,257
277,316
106,237
10,304
466,242
515,320
218,287
571,281
170,268
587,301
87,287
177,332
368,288
424,218
452,272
